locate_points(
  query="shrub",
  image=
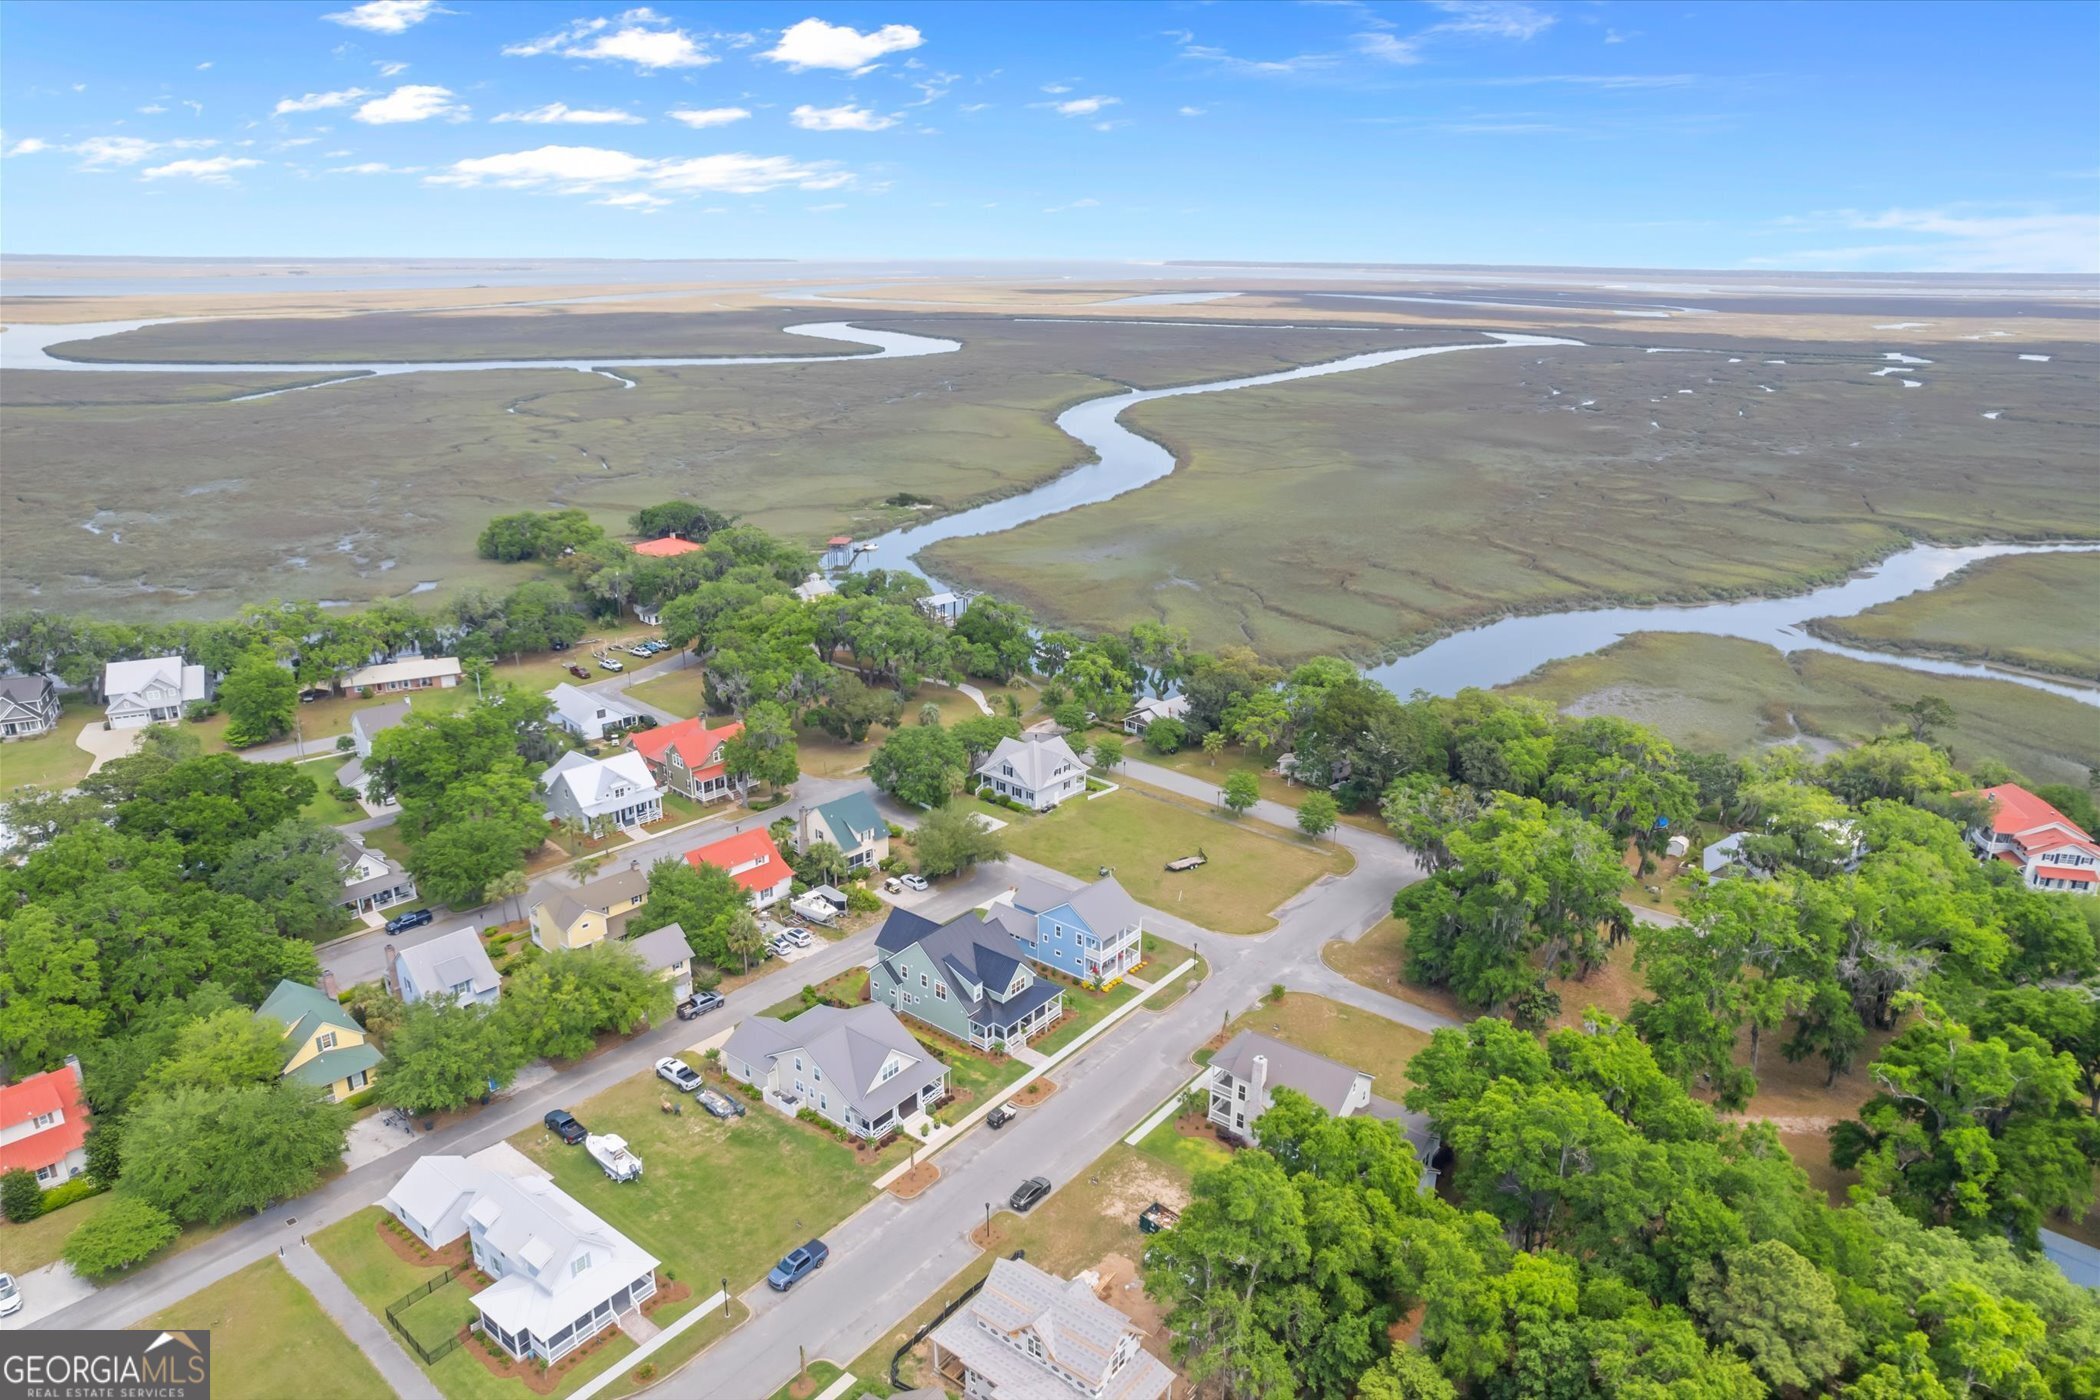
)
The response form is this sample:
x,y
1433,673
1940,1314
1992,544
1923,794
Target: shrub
x,y
861,900
21,1199
126,1232
78,1189
361,1098
1166,735
199,710
896,830
1276,991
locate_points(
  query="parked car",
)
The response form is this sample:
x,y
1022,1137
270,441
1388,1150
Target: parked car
x,y
578,672
678,1074
800,937
414,918
643,652
654,646
1000,1117
718,1104
10,1296
563,1123
698,1005
916,883
798,1265
893,885
319,692
1029,1193
606,663
557,646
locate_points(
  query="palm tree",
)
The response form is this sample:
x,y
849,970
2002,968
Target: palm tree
x,y
508,886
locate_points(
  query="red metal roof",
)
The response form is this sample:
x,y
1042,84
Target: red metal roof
x,y
695,741
2014,809
733,851
53,1091
2077,875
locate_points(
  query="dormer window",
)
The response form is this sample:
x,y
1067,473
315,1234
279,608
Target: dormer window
x,y
325,1041
581,1263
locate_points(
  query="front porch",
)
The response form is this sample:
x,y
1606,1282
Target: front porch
x,y
1021,1029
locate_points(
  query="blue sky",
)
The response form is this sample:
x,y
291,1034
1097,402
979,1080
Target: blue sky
x,y
1949,137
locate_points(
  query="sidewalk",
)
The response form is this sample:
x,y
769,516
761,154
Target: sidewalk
x,y
350,1314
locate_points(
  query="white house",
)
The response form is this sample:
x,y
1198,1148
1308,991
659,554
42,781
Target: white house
x,y
372,880
944,607
411,673
367,725
857,1067
152,691
28,705
2050,851
562,1275
617,789
44,1125
1147,710
590,714
814,587
1246,1073
1030,1335
453,965
1039,771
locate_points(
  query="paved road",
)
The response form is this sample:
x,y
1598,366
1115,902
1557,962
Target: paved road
x,y
122,1304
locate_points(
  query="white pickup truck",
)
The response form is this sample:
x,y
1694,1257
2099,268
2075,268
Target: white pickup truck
x,y
609,1150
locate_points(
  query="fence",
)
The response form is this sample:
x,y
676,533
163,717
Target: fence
x,y
942,1316
430,1355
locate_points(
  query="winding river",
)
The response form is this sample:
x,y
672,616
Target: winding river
x,y
1124,461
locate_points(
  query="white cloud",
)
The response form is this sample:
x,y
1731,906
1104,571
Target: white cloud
x,y
641,36
1057,89
1387,49
1608,82
634,199
1192,111
374,167
414,103
1492,19
291,142
387,16
196,108
107,152
1259,67
697,117
1084,106
593,170
204,65
974,107
811,43
844,118
1954,238
390,68
1075,204
217,170
825,208
151,109
573,116
29,146
319,101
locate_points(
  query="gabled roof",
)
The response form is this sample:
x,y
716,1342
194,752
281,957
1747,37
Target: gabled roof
x,y
448,960
695,741
1036,760
854,813
53,1091
370,723
1104,906
902,929
976,956
339,1063
2015,810
850,1045
755,845
565,907
412,668
302,1010
25,690
1079,1334
1154,707
122,679
1326,1082
582,706
661,948
592,782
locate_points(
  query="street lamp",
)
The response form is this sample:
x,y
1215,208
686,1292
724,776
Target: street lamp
x,y
987,1222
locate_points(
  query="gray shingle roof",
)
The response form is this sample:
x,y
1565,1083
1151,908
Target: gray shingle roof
x,y
1036,760
661,948
1326,1082
850,1045
1104,906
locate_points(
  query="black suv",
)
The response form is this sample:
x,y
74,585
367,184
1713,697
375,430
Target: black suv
x,y
414,918
1029,1193
564,1124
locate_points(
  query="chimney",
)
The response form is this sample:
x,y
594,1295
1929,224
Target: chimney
x,y
393,976
1256,1103
73,1064
328,984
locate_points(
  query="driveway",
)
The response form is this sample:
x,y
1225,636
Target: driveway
x,y
106,744
46,1291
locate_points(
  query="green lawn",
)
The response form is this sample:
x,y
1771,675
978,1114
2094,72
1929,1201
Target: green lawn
x,y
1274,787
719,1200
1082,1010
971,1076
847,986
682,691
31,1246
53,760
437,1317
1162,956
1185,1155
1253,866
327,808
373,1272
269,1337
811,1382
389,841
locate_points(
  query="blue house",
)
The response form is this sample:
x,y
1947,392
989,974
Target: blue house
x,y
1094,934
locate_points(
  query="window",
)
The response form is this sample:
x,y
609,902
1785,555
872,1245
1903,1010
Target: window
x,y
325,1041
577,1266
1243,1093
798,1064
43,1121
47,1173
940,993
359,1079
922,979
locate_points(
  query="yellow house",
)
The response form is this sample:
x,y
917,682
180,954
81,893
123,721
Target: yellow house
x,y
323,1044
572,919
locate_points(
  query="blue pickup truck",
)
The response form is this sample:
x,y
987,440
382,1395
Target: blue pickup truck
x,y
798,1265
